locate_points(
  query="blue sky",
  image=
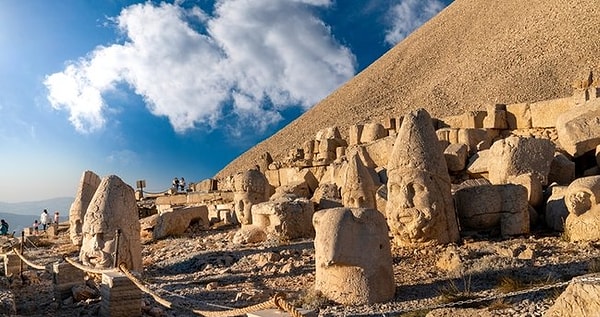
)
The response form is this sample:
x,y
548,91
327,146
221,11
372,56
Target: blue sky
x,y
155,90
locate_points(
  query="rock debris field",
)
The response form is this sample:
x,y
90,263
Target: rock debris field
x,y
205,270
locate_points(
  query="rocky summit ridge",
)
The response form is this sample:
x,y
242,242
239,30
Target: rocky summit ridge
x,y
471,54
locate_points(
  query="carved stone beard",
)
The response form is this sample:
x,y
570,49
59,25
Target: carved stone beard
x,y
416,207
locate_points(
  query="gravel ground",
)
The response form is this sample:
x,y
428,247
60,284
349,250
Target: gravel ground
x,y
206,271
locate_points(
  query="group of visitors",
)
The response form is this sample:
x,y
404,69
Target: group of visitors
x,y
179,184
45,221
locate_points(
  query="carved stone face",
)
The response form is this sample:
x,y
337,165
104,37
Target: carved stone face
x,y
413,203
580,202
97,250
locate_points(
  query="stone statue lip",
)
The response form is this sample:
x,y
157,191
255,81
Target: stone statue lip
x,y
96,259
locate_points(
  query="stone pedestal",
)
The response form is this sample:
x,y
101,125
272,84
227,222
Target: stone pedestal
x,y
64,277
12,264
120,297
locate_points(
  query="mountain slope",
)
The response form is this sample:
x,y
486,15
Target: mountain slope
x,y
472,53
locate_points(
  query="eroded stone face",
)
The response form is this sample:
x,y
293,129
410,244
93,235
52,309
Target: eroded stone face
x,y
420,209
358,190
112,208
419,217
251,187
352,255
87,187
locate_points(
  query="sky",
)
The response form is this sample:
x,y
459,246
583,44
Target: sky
x,y
154,90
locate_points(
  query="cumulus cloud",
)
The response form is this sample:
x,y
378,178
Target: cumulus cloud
x,y
250,57
407,15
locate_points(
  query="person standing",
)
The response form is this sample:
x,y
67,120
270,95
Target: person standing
x,y
56,217
176,184
44,219
3,227
182,184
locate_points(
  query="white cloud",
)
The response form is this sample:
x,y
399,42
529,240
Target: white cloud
x,y
249,52
407,15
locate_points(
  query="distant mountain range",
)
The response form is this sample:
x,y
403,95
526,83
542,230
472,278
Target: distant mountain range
x,y
21,215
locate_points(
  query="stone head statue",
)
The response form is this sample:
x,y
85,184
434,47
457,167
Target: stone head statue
x,y
87,187
582,194
420,209
358,189
251,187
353,257
112,208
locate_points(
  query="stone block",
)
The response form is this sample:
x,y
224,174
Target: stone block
x,y
287,218
64,277
518,116
476,139
478,163
514,156
473,119
12,264
279,313
372,132
273,177
456,157
496,117
354,132
556,211
120,296
448,134
378,152
578,129
545,113
562,170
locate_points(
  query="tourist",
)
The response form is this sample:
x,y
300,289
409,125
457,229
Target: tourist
x,y
182,184
176,184
36,225
44,219
3,227
56,217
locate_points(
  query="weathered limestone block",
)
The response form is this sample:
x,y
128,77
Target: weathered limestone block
x,y
456,157
292,176
496,117
544,114
273,177
249,234
170,201
206,185
579,128
333,174
174,222
359,189
490,206
251,187
449,135
562,170
455,122
376,153
264,161
556,211
518,116
64,277
354,133
579,299
479,162
297,189
309,150
515,210
87,187
514,156
287,217
352,256
472,120
476,139
420,208
112,208
582,194
372,132
120,296
327,196
535,192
